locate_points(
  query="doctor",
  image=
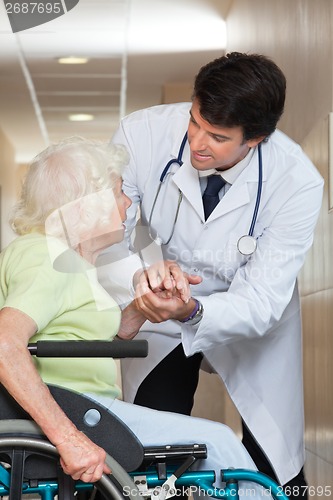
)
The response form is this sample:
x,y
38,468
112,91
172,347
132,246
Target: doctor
x,y
244,317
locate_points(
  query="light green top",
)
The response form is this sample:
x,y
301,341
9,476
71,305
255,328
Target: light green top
x,y
60,292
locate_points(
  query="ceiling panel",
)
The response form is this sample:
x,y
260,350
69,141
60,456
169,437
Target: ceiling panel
x,y
97,64
134,47
77,82
92,100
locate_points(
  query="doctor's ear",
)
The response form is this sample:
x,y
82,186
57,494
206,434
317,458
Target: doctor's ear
x,y
252,143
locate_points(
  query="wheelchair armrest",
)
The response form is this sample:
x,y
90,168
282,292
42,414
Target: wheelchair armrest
x,y
89,349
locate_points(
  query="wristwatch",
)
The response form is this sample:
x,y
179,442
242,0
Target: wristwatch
x,y
196,315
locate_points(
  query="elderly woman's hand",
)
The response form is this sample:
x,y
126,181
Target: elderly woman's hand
x,y
81,458
167,279
157,308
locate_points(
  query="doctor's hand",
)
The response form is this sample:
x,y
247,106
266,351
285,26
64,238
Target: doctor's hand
x,y
157,307
167,279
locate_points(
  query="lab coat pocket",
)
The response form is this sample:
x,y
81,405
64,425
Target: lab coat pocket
x,y
231,260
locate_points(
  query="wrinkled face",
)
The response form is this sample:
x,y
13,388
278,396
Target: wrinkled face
x,y
118,215
93,222
213,147
111,215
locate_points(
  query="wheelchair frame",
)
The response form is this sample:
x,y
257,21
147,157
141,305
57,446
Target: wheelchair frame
x,y
159,473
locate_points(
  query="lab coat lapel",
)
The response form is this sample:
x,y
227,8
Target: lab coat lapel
x,y
187,180
235,197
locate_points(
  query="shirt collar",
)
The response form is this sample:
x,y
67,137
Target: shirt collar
x,y
231,174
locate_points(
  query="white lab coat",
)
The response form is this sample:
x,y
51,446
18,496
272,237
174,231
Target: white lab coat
x,y
251,330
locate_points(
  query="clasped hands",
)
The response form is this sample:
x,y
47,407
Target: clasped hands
x,y
162,292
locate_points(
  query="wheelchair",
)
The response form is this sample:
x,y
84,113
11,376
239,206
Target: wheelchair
x,y
29,463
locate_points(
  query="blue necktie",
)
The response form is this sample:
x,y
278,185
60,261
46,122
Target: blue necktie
x,y
210,197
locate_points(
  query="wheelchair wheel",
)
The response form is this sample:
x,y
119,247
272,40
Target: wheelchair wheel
x,y
22,441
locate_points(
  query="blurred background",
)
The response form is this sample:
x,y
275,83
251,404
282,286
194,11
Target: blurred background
x,y
80,73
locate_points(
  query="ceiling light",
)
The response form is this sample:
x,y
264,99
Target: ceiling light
x,y
80,117
73,60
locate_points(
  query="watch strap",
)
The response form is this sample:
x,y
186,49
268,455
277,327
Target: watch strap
x,y
196,314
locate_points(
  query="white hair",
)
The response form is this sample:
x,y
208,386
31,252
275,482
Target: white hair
x,y
64,172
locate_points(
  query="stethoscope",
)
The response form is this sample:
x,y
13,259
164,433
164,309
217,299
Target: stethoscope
x,y
246,244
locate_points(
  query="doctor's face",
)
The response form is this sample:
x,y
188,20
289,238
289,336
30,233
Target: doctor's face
x,y
213,147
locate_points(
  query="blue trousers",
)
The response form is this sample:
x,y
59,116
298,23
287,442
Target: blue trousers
x,y
179,376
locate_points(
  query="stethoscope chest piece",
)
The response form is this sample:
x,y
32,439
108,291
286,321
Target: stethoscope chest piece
x,y
247,245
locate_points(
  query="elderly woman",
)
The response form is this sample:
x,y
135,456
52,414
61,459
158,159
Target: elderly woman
x,y
72,207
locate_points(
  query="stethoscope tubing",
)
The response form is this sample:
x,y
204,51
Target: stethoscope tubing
x,y
163,175
177,160
258,199
180,199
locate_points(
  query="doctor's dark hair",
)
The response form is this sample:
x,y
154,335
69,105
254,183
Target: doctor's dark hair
x,y
241,90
